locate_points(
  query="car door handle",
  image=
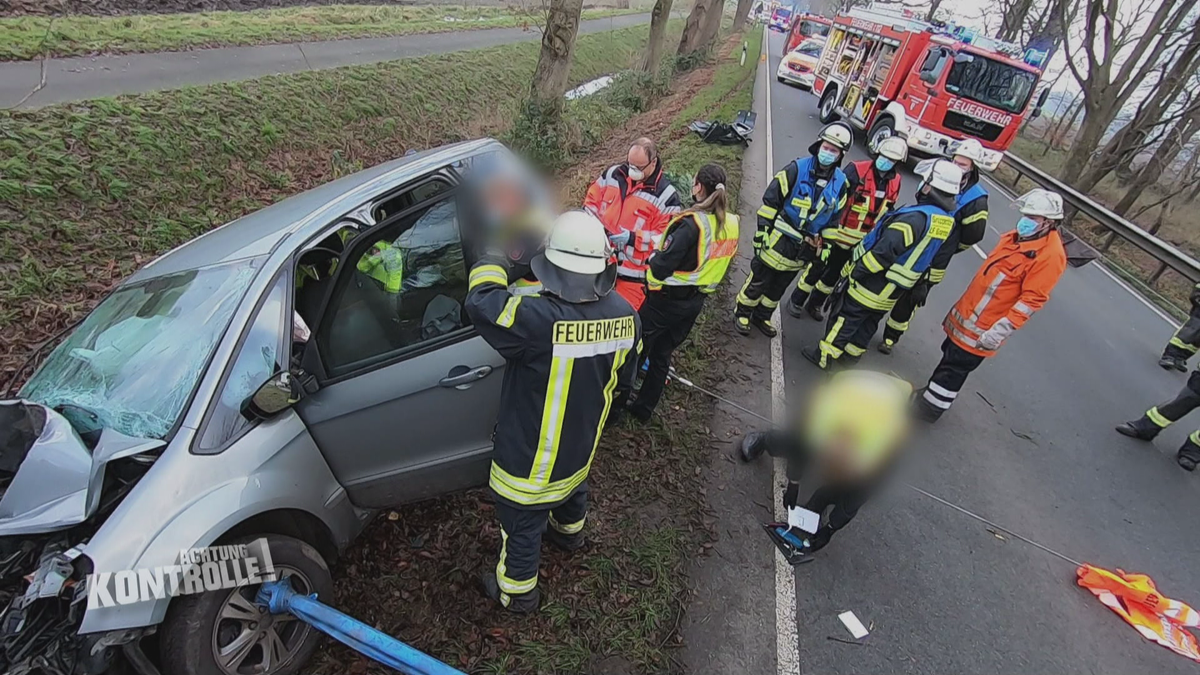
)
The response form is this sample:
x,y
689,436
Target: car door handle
x,y
461,377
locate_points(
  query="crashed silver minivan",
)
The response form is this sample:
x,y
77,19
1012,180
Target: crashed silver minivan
x,y
281,377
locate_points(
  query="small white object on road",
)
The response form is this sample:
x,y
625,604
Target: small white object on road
x,y
804,519
852,624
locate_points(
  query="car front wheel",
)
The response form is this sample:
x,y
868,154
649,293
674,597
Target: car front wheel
x,y
226,633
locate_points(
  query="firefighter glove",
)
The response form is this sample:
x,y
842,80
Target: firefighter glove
x,y
995,336
920,293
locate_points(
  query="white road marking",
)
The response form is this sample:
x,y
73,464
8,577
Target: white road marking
x,y
1137,296
787,637
979,251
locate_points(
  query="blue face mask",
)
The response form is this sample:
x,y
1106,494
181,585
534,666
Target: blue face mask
x,y
826,157
884,164
1026,226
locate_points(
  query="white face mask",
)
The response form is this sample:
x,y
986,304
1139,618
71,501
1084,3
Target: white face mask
x,y
636,173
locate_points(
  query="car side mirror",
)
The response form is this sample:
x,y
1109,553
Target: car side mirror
x,y
1042,98
277,394
1035,113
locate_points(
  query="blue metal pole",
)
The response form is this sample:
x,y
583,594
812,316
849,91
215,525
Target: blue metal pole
x,y
279,597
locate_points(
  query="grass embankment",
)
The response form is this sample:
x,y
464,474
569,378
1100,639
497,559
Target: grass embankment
x,y
89,191
1171,290
29,37
614,608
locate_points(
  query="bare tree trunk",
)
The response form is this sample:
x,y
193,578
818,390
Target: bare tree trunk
x,y
553,70
1097,115
1130,139
712,24
692,39
659,16
1164,154
740,14
1014,20
933,8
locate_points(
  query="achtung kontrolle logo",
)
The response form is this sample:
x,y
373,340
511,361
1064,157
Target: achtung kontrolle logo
x,y
213,568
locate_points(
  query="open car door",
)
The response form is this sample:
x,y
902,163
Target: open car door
x,y
408,391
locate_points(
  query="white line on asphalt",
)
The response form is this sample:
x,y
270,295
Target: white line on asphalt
x,y
979,251
1003,189
787,637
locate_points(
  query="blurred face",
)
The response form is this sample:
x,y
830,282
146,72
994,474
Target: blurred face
x,y
963,163
698,192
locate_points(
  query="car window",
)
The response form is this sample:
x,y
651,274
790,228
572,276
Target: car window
x,y
408,198
259,357
404,285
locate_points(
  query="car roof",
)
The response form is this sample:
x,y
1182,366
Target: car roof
x,y
258,233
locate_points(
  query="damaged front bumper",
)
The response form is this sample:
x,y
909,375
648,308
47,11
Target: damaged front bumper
x,y
57,489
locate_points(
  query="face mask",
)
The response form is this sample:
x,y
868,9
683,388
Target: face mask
x,y
884,164
1026,226
636,173
826,157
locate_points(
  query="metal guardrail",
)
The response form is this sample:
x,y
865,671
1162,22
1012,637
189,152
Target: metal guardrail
x,y
1167,255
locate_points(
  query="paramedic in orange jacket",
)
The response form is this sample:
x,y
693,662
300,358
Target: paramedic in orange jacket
x,y
1013,283
635,201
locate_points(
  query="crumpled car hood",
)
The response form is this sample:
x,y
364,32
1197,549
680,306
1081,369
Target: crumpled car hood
x,y
58,479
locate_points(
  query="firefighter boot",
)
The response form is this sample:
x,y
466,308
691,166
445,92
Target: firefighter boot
x,y
754,444
796,303
817,356
813,306
1141,428
742,324
1189,452
1173,363
923,410
764,326
886,346
565,542
521,603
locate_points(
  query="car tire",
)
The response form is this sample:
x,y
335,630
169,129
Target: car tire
x,y
193,631
780,78
828,102
884,127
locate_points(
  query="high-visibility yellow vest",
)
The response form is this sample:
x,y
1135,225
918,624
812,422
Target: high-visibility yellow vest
x,y
715,251
385,264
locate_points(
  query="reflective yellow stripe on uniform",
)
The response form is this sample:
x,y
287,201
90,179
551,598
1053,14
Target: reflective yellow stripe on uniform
x,y
521,491
1157,417
982,215
768,211
508,584
557,389
905,229
855,350
881,301
826,345
783,182
897,325
484,274
1180,344
869,261
1194,437
567,528
509,315
744,299
936,276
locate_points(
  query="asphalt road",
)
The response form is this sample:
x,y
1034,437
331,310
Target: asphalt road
x,y
88,77
941,593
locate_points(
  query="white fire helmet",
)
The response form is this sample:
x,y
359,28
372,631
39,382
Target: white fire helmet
x,y
943,175
1040,202
577,264
838,134
894,148
971,149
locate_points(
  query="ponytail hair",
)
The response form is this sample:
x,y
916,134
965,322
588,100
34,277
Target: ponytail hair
x,y
712,178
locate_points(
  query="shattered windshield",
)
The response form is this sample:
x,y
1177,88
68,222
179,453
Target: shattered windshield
x,y
991,83
133,363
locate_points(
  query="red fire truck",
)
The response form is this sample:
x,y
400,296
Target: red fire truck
x,y
889,73
805,26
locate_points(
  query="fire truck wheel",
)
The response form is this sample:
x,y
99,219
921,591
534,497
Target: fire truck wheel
x,y
828,102
883,128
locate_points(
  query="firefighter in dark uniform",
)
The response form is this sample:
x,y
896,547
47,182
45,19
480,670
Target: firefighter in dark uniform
x,y
804,198
570,350
1184,342
1163,415
889,261
696,251
872,188
970,224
